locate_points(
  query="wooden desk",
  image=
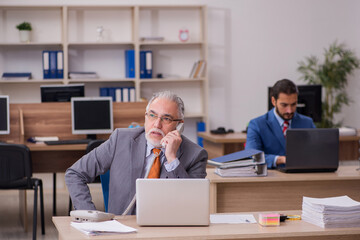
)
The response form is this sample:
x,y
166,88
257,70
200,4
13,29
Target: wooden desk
x,y
221,144
279,191
287,230
54,119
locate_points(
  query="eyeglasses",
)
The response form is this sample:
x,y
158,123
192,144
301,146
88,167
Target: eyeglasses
x,y
165,119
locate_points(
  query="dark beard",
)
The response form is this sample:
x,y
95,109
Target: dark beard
x,y
284,116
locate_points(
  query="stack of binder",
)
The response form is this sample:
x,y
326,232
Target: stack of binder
x,y
246,163
333,212
53,64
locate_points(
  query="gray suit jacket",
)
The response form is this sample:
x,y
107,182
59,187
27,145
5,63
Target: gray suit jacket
x,y
124,155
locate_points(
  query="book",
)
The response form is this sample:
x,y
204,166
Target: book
x,y
244,158
154,39
16,76
192,72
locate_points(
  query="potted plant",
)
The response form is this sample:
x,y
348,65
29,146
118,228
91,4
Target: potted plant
x,y
332,74
24,31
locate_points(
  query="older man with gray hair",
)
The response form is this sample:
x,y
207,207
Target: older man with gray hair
x,y
131,153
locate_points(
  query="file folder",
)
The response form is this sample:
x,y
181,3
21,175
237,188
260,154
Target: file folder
x,y
46,65
130,63
60,64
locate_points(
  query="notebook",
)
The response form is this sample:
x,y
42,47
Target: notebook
x,y
172,202
312,150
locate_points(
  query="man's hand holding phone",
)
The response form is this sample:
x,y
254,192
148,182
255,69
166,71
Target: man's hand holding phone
x,y
171,142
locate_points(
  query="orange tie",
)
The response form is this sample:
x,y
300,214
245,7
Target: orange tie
x,y
155,168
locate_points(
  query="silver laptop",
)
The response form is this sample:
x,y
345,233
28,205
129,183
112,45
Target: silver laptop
x,y
312,150
172,202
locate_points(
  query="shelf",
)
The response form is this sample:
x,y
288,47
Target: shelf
x,y
99,43
152,80
149,43
95,38
31,44
31,81
99,80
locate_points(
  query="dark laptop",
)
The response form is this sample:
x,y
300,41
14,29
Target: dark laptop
x,y
312,150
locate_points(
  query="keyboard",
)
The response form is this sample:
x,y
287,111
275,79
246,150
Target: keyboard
x,y
69,141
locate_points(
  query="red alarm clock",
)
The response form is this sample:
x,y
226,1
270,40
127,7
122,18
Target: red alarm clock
x,y
184,35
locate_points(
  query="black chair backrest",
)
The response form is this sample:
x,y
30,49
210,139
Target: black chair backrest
x,y
15,162
93,144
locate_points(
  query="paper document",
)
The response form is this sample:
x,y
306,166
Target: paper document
x,y
232,218
331,212
96,228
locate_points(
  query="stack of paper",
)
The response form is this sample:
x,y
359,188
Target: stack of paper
x,y
96,228
334,212
83,75
246,163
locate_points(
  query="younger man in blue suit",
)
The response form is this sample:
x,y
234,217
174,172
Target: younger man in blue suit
x,y
267,132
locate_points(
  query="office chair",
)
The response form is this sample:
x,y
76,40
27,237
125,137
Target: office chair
x,y
91,145
16,173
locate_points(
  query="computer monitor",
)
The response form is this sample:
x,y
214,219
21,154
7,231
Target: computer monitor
x,y
61,93
309,101
91,115
4,115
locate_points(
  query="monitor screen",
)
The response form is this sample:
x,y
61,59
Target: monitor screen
x,y
4,115
91,115
309,101
61,93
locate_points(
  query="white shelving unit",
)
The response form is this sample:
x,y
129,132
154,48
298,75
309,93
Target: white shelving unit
x,y
73,29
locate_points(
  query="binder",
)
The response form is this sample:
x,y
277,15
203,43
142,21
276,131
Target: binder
x,y
200,128
60,64
130,63
125,94
52,63
239,159
104,92
148,66
111,92
46,64
132,95
142,64
118,94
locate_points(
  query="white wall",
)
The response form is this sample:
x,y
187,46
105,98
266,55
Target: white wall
x,y
253,43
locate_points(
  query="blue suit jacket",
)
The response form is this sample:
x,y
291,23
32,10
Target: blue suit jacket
x,y
264,133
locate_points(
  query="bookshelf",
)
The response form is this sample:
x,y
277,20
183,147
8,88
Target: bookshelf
x,y
75,31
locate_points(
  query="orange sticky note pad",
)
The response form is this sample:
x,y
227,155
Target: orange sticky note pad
x,y
269,219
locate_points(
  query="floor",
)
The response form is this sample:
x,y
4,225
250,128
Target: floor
x,y
10,224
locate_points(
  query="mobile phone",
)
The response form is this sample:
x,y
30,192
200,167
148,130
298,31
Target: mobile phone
x,y
90,216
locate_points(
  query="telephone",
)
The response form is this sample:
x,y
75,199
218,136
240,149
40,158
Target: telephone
x,y
180,128
90,216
